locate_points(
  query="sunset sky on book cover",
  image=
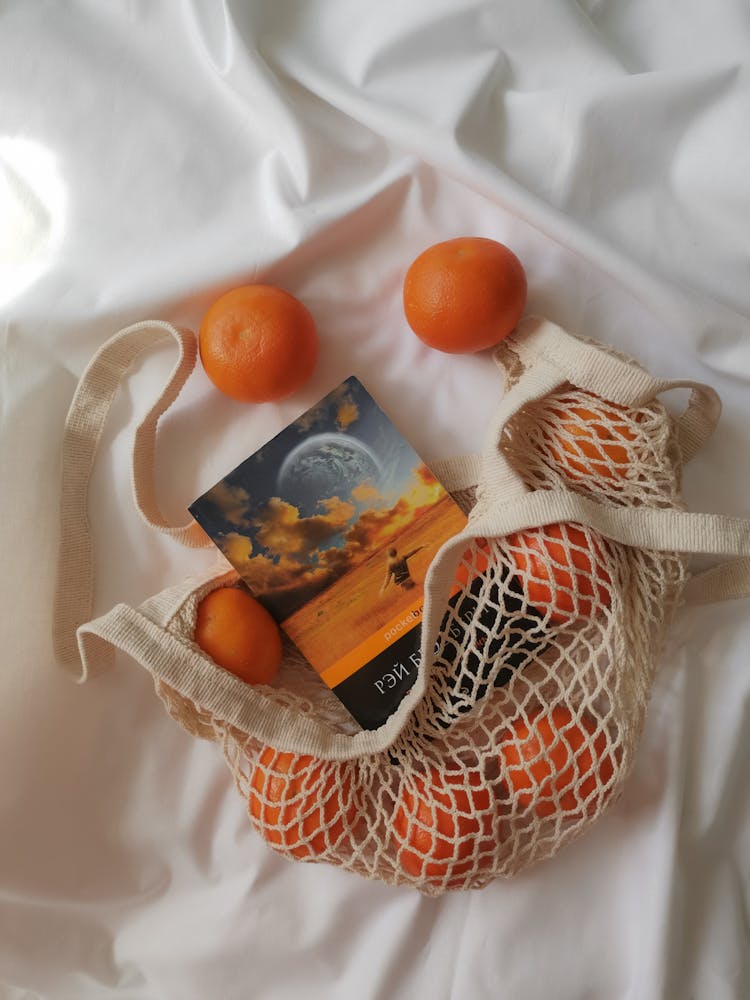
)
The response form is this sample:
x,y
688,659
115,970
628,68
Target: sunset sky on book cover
x,y
333,524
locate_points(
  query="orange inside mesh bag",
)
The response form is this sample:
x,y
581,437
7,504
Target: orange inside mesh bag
x,y
499,765
526,715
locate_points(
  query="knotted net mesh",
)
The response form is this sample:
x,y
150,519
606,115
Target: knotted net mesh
x,y
536,692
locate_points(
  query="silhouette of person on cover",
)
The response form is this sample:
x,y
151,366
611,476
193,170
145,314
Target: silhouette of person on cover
x,y
398,569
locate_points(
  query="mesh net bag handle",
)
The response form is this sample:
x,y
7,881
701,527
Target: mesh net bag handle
x,y
81,436
552,357
504,505
359,801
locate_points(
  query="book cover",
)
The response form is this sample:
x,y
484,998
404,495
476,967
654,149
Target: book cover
x,y
332,525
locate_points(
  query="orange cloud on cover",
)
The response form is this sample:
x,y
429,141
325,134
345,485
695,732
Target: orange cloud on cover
x,y
347,413
365,491
284,532
376,527
237,548
426,491
263,573
299,565
232,501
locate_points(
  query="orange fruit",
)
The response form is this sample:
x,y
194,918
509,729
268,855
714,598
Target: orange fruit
x,y
239,634
464,295
297,803
555,762
591,440
474,563
559,568
438,819
258,343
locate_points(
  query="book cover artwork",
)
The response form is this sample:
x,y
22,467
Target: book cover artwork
x,y
333,525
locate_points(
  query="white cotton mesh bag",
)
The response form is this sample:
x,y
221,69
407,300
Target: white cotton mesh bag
x,y
542,628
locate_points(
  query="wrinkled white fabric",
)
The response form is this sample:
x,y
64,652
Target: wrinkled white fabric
x,y
153,154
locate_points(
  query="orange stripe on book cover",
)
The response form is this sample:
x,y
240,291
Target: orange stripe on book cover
x,y
409,618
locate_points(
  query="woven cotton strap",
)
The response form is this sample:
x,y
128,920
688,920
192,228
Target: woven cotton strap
x,y
83,428
590,368
459,473
504,506
169,658
551,357
643,527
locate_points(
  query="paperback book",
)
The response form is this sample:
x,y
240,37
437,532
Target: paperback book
x,y
332,525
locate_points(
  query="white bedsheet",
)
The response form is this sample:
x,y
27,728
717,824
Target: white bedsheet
x,y
152,154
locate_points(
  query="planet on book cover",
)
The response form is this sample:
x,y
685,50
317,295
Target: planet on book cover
x,y
332,525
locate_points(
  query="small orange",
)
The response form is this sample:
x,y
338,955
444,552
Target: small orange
x,y
239,634
591,440
560,568
465,294
438,820
298,803
555,761
474,562
258,343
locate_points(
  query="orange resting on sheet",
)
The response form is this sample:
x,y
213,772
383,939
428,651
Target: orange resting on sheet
x,y
554,761
299,803
560,568
443,825
239,634
590,440
258,343
465,294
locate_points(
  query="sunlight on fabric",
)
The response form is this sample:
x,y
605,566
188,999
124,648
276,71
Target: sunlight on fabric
x,y
32,213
